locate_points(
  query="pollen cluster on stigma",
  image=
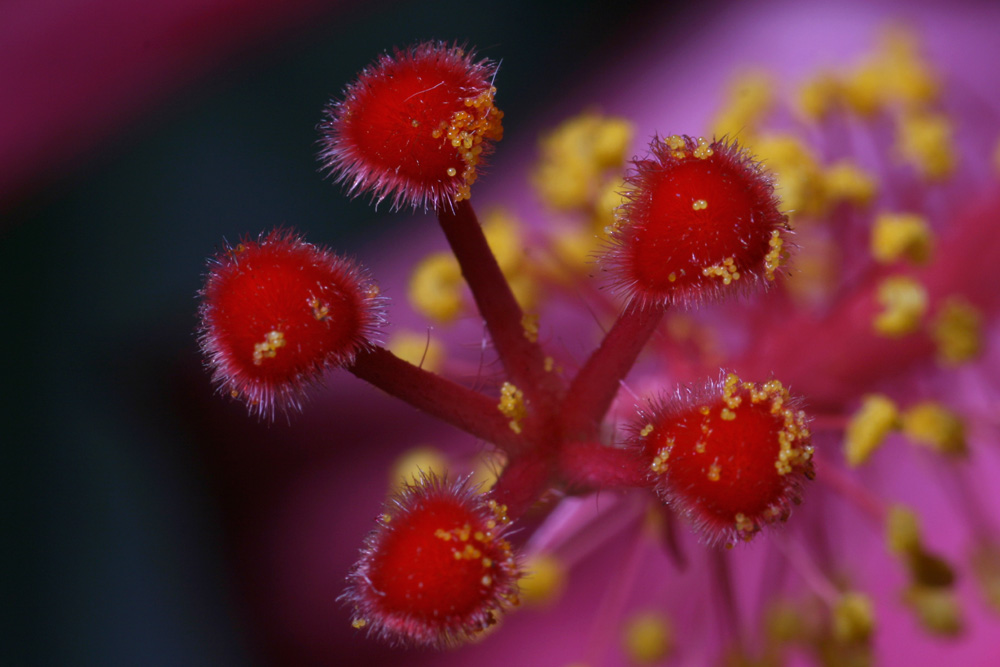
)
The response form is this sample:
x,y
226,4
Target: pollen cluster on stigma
x,y
437,570
465,132
699,217
730,458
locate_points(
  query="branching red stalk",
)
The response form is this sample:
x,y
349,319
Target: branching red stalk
x,y
596,385
459,406
523,359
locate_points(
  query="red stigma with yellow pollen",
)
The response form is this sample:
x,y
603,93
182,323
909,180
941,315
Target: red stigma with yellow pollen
x,y
731,457
436,571
276,312
700,219
415,126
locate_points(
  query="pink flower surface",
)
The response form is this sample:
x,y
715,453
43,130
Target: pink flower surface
x,y
624,553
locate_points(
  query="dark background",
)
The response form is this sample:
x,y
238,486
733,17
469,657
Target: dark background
x,y
118,513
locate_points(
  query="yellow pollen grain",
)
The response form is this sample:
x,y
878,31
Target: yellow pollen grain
x,y
672,277
358,623
320,310
699,205
703,150
467,129
726,271
659,464
268,349
869,427
714,472
774,257
901,236
512,405
550,364
957,330
451,171
646,430
529,324
744,525
727,415
904,303
931,424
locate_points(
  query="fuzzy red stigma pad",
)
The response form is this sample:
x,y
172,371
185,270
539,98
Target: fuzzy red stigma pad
x,y
277,311
732,457
436,571
700,219
415,126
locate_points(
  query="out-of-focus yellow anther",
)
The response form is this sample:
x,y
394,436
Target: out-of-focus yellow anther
x,y
909,79
818,96
902,531
925,141
608,199
986,569
505,238
868,428
576,157
436,288
529,324
800,180
512,405
936,609
853,617
957,330
417,348
931,424
415,462
748,100
901,235
486,470
647,638
544,580
904,303
847,182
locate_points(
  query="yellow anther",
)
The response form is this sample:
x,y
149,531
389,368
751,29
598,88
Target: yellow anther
x,y
268,349
986,569
931,424
576,157
845,181
512,405
901,235
436,288
902,531
936,608
864,88
868,428
417,348
543,581
853,617
904,303
925,141
748,100
414,463
505,237
647,638
800,180
818,96
608,200
957,330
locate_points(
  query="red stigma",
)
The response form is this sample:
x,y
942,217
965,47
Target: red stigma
x,y
731,458
414,126
700,219
276,312
436,571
